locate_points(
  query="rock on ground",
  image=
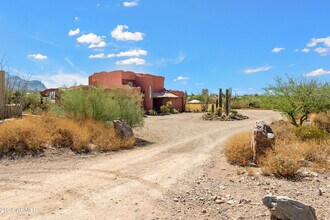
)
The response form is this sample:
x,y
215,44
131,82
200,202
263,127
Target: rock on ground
x,y
285,208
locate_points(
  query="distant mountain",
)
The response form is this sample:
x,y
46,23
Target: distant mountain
x,y
19,83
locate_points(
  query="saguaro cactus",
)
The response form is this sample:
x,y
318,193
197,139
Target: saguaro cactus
x,y
220,98
2,94
227,104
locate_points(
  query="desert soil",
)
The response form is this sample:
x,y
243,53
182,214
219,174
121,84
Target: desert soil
x,y
177,172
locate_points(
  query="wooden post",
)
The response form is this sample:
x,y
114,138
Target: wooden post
x,y
2,94
220,98
216,103
227,102
212,109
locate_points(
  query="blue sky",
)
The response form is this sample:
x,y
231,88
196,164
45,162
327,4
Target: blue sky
x,y
194,44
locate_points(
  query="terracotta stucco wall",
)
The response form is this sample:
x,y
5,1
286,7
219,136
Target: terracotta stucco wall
x,y
148,84
106,80
180,102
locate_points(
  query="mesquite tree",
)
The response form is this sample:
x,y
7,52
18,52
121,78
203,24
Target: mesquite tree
x,y
297,98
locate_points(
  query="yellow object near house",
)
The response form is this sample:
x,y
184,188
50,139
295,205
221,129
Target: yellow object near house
x,y
197,106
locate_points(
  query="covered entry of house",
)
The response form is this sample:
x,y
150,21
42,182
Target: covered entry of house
x,y
161,98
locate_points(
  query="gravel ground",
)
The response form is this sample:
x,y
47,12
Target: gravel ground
x,y
178,171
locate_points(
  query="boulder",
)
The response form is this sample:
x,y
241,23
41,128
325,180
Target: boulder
x,y
263,139
122,129
285,208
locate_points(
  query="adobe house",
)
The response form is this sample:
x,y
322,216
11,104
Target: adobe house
x,y
155,95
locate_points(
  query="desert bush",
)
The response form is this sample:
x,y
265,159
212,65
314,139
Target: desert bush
x,y
152,112
22,136
218,111
232,114
315,152
69,134
164,109
283,161
322,120
129,106
308,132
283,131
33,135
238,149
102,105
104,137
174,111
169,105
290,153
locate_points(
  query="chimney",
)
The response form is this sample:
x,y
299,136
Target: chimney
x,y
2,94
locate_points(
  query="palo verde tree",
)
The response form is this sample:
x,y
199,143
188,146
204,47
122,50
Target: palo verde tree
x,y
297,98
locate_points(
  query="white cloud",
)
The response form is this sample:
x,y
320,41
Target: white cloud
x,y
132,61
98,45
318,72
324,49
132,53
258,69
305,50
111,55
37,56
98,5
181,78
130,4
74,32
199,84
76,19
93,40
60,79
120,34
97,56
321,50
180,58
278,49
315,41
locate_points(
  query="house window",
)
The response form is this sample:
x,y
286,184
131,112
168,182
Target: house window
x,y
130,84
150,92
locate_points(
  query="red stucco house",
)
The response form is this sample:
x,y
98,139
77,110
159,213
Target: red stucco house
x,y
155,95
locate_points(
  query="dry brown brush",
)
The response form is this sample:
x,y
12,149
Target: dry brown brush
x,y
294,148
32,135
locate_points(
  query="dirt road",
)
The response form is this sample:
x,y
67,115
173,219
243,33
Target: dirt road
x,y
120,185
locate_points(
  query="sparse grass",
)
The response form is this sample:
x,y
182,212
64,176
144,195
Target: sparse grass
x,y
238,149
31,135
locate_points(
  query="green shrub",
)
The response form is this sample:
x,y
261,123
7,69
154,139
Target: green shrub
x,y
175,111
218,111
169,105
102,105
152,112
308,132
165,110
